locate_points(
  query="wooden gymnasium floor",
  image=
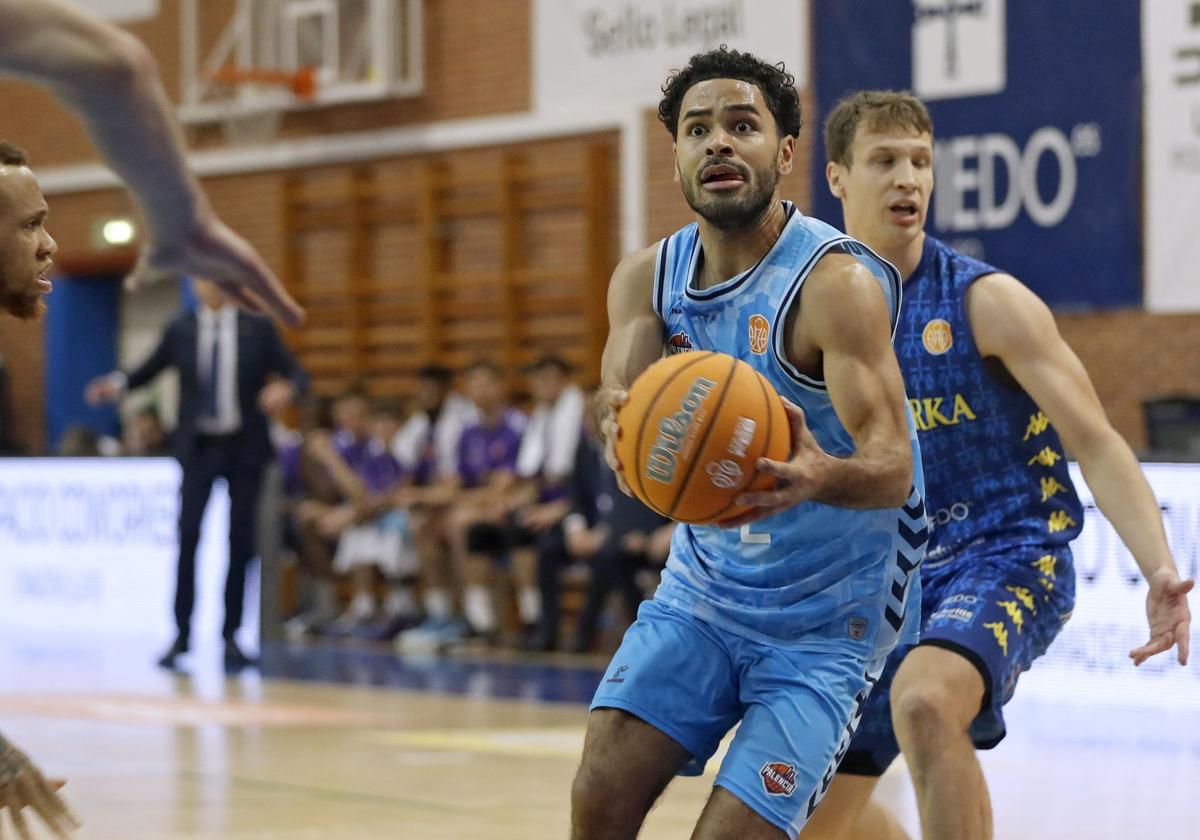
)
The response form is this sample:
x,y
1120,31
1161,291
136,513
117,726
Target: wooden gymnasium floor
x,y
339,743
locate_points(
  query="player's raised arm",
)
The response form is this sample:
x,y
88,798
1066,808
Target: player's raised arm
x,y
635,341
1012,324
109,78
843,321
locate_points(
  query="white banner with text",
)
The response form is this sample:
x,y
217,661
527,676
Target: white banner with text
x,y
596,51
1171,66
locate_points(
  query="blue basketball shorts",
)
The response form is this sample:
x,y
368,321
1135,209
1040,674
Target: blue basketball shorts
x,y
999,609
797,707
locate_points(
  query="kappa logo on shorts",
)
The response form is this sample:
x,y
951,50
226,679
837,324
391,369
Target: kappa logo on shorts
x,y
778,779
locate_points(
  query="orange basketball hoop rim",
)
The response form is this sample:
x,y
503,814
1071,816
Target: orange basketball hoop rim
x,y
302,83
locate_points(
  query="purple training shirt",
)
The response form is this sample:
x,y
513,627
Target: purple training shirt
x,y
483,450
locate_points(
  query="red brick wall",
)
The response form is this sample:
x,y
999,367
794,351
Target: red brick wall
x,y
1133,356
477,63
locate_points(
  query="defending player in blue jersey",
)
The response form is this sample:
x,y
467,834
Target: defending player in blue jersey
x,y
784,623
997,395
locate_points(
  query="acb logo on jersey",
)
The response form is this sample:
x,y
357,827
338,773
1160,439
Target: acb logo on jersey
x,y
760,328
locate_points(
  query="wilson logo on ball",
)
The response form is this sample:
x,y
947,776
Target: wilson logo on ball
x,y
673,430
725,474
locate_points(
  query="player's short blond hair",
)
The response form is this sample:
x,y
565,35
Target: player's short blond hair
x,y
879,110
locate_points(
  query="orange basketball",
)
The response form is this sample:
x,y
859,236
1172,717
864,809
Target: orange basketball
x,y
692,430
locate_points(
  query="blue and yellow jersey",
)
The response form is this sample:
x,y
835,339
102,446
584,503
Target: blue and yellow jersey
x,y
814,571
996,473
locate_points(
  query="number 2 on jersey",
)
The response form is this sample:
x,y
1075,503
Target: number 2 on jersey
x,y
752,538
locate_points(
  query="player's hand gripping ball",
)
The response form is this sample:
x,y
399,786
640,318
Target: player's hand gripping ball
x,y
692,430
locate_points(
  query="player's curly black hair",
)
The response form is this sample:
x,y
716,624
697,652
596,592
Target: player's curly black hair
x,y
778,86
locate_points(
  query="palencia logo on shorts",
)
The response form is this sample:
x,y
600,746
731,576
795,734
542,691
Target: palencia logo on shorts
x,y
673,430
778,779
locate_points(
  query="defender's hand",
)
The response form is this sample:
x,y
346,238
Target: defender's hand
x,y
23,786
213,251
1168,616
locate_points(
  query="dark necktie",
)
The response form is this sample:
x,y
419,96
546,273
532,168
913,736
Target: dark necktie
x,y
208,384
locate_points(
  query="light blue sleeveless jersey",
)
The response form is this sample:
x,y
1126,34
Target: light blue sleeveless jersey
x,y
814,573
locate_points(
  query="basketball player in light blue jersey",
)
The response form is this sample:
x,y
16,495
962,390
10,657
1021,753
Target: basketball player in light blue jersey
x,y
997,395
781,620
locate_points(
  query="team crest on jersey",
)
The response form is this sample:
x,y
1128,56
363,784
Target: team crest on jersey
x,y
759,329
778,779
680,342
937,337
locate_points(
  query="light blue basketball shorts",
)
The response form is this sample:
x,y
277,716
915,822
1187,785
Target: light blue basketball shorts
x,y
694,682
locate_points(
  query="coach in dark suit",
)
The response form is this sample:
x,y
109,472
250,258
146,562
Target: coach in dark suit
x,y
234,371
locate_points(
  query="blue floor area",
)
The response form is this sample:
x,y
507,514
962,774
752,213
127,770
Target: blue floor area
x,y
513,680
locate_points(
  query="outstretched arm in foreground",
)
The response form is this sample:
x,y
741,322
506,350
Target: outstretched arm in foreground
x,y
23,786
110,79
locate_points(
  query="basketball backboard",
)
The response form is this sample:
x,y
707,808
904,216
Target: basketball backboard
x,y
359,51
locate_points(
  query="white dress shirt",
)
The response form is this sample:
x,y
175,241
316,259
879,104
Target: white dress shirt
x,y
219,325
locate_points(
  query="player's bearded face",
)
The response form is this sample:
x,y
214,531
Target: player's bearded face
x,y
25,246
736,208
728,152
